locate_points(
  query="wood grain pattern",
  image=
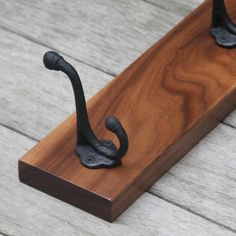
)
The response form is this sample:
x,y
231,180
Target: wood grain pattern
x,y
171,97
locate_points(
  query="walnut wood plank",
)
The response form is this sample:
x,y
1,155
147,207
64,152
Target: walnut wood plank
x,y
167,100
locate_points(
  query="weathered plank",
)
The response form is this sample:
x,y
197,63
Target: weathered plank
x,y
165,99
34,100
178,7
106,34
205,180
183,8
25,211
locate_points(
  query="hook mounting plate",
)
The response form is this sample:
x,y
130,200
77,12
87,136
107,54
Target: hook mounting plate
x,y
223,37
92,159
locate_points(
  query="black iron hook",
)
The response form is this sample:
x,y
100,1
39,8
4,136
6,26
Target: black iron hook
x,y
222,28
93,153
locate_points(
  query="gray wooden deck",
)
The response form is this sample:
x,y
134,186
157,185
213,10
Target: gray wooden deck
x,y
100,37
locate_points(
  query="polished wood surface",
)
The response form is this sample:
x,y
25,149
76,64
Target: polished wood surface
x,y
167,100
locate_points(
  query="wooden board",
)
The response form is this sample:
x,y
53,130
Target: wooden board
x,y
171,97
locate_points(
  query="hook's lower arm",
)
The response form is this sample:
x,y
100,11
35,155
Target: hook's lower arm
x,y
114,126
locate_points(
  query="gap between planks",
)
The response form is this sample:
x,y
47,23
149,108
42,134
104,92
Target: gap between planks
x,y
191,211
3,234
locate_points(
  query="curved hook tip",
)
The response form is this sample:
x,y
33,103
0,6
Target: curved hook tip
x,y
112,123
51,59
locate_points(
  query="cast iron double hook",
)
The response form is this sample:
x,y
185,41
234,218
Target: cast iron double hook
x,y
93,153
223,29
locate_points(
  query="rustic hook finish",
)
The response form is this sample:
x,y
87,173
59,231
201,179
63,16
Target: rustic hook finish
x,y
93,153
222,29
